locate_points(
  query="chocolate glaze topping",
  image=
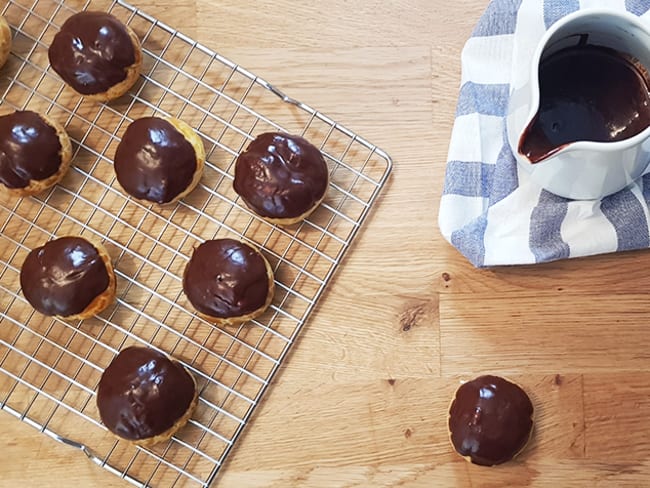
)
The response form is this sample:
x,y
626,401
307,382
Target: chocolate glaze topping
x,y
30,149
587,93
490,420
92,52
63,277
154,161
280,176
226,278
143,393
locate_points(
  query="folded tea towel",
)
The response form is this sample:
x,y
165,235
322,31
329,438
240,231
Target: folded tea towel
x,y
490,211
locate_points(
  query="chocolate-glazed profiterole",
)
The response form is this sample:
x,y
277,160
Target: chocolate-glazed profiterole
x,y
282,178
5,41
96,54
228,281
490,420
68,277
159,160
144,396
35,153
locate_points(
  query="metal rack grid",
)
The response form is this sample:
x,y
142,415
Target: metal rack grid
x,y
49,368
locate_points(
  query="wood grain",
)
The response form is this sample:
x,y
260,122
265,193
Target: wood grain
x,y
362,400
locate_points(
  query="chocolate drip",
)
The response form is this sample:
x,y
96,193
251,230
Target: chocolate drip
x,y
587,93
143,393
63,277
92,52
30,149
226,278
280,176
490,420
154,161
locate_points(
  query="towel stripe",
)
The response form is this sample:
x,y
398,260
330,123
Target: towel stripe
x,y
645,180
546,241
483,99
505,172
624,211
470,240
499,18
554,10
637,7
469,179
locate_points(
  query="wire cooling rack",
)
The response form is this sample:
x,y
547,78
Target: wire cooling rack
x,y
49,368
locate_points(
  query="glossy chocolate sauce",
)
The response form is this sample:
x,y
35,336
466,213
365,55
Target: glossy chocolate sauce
x,y
154,161
63,277
143,393
280,176
30,149
226,278
587,93
92,52
490,420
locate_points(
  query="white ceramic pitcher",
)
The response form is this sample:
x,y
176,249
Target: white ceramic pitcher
x,y
583,169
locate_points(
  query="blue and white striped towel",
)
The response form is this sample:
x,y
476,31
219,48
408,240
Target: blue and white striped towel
x,y
489,210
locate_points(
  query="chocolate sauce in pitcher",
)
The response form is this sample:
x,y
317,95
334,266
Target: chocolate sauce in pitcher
x,y
587,93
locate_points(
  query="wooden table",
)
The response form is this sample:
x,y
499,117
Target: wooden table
x,y
362,400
